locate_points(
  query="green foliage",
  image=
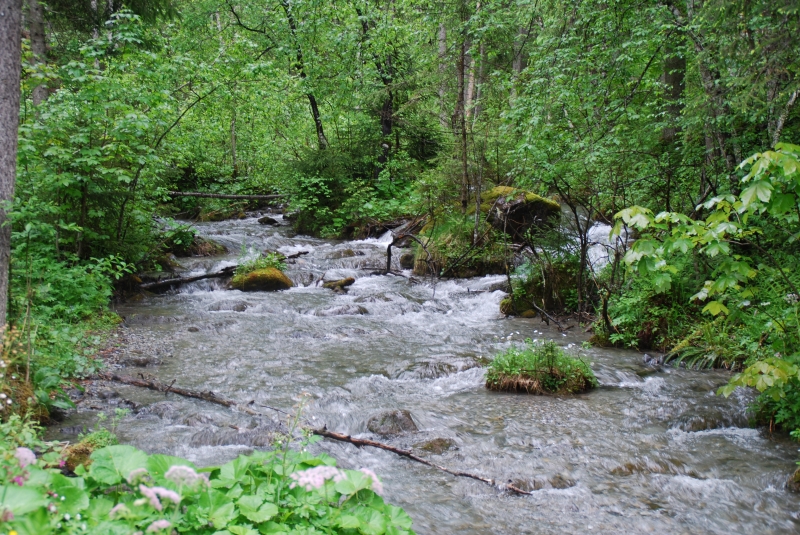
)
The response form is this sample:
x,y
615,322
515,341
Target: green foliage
x,y
539,367
262,261
125,489
450,241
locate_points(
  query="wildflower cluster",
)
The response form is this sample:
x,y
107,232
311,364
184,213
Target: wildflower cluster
x,y
315,478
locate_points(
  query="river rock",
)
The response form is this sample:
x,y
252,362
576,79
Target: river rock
x,y
235,306
407,261
342,310
437,446
794,481
267,220
340,284
262,280
392,423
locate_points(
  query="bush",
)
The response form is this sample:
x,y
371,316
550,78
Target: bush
x,y
539,368
125,490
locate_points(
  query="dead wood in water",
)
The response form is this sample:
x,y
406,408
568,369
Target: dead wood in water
x,y
153,384
360,442
167,284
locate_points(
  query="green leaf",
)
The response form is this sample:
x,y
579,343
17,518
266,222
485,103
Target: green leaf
x,y
112,464
760,189
75,498
21,500
349,522
715,308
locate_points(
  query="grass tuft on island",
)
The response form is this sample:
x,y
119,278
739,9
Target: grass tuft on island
x,y
539,368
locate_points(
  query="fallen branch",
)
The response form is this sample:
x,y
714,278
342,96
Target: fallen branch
x,y
360,442
223,196
153,384
167,284
548,317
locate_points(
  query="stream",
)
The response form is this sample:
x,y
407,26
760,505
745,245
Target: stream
x,y
649,451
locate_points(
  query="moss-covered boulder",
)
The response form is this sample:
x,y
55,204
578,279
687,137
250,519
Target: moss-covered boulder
x,y
522,309
515,211
392,423
261,280
339,285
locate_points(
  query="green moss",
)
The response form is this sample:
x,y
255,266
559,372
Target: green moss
x,y
539,368
489,198
261,280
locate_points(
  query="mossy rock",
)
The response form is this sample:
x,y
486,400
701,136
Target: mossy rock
x,y
794,481
437,446
516,211
522,309
392,423
79,454
261,280
339,284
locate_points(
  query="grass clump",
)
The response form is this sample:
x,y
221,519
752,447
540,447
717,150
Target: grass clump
x,y
539,368
264,261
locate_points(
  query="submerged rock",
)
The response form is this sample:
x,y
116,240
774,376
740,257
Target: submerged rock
x,y
267,220
794,481
262,280
235,306
392,423
343,310
437,446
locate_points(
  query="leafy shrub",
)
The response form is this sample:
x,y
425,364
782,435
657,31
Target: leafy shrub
x,y
125,490
538,368
269,260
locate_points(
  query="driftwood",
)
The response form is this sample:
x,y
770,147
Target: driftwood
x,y
405,453
166,284
224,196
153,384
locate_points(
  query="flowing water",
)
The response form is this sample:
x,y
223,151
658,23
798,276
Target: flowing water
x,y
650,451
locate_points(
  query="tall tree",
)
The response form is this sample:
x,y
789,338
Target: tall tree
x,y
10,52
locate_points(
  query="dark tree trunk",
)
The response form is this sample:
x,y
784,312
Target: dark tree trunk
x,y
301,70
10,58
460,121
38,45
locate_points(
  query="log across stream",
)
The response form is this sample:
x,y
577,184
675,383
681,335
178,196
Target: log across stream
x,y
650,451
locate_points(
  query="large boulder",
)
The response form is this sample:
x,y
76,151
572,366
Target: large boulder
x,y
262,280
392,423
516,211
267,220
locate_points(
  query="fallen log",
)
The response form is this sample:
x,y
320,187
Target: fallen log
x,y
360,442
153,384
224,196
166,284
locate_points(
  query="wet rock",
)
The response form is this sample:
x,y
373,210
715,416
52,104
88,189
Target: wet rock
x,y
528,314
141,361
162,409
262,280
793,484
407,261
193,329
74,430
235,306
107,393
652,466
651,361
392,423
343,310
267,220
340,284
345,253
559,481
197,420
437,446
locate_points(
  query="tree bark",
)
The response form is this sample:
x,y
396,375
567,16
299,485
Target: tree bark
x,y
460,121
38,45
443,120
10,66
301,70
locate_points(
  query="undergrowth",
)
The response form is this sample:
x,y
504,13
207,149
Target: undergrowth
x,y
539,368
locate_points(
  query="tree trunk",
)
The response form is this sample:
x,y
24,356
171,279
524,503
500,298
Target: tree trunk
x,y
233,145
301,70
38,45
443,120
461,121
10,58
517,64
